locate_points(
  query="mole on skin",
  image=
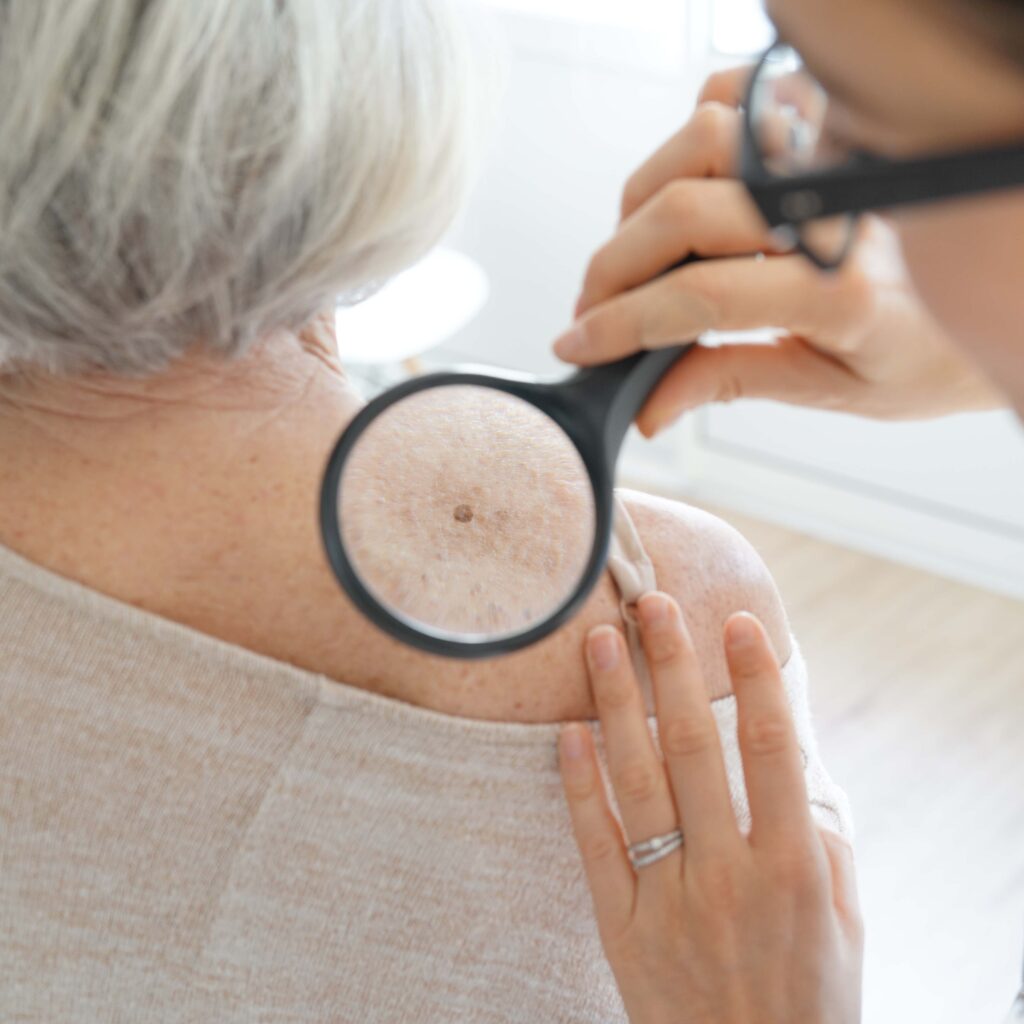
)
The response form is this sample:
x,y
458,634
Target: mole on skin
x,y
463,513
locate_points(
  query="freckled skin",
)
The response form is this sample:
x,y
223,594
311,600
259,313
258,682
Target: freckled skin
x,y
527,497
147,511
521,554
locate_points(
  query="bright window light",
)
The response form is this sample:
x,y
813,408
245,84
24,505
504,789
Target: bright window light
x,y
739,27
640,13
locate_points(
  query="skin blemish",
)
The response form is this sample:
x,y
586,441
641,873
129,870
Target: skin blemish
x,y
463,513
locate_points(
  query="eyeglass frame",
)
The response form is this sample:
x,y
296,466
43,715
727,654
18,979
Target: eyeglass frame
x,y
866,182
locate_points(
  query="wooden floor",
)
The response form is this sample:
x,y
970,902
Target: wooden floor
x,y
918,694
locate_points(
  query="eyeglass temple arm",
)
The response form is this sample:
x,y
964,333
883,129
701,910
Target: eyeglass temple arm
x,y
873,184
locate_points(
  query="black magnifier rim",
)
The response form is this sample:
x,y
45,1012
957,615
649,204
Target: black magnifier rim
x,y
769,190
543,397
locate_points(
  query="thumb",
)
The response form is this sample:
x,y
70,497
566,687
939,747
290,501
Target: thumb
x,y
787,370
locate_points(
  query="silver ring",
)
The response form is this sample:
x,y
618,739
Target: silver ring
x,y
651,850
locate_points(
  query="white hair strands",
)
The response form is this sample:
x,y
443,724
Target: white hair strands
x,y
177,170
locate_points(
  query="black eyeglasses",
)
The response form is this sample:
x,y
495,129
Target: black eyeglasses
x,y
811,187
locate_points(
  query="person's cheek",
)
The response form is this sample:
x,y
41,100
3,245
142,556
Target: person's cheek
x,y
932,260
966,260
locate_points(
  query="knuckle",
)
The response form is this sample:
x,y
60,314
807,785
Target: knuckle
x,y
580,789
638,781
661,648
765,734
703,284
679,202
686,735
653,947
615,327
720,887
800,872
729,380
616,693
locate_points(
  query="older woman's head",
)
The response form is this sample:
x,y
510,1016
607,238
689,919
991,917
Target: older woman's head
x,y
175,172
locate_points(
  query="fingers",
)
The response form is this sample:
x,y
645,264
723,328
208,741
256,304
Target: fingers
x,y
687,730
637,773
728,294
685,217
787,370
728,87
606,865
772,766
706,146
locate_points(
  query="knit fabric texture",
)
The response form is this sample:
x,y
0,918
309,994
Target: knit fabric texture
x,y
194,832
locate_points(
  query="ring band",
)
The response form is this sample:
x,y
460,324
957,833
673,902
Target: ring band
x,y
651,850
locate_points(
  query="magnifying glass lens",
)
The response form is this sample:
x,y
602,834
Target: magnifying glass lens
x,y
797,132
467,513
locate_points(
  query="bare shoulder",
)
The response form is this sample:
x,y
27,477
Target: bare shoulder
x,y
713,571
705,564
523,498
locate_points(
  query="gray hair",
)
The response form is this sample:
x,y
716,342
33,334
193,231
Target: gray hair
x,y
176,170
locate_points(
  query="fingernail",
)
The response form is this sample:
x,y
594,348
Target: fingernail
x,y
572,741
648,427
654,610
742,633
571,344
603,646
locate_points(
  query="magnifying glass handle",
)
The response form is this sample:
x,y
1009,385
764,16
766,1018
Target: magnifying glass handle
x,y
613,394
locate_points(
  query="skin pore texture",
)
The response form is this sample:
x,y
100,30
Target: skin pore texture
x,y
468,510
193,496
932,84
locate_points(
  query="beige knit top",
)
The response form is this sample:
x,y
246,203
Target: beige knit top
x,y
193,832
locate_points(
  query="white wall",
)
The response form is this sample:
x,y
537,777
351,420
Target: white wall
x,y
596,86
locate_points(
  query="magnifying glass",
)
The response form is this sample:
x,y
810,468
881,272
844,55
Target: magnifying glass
x,y
469,514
